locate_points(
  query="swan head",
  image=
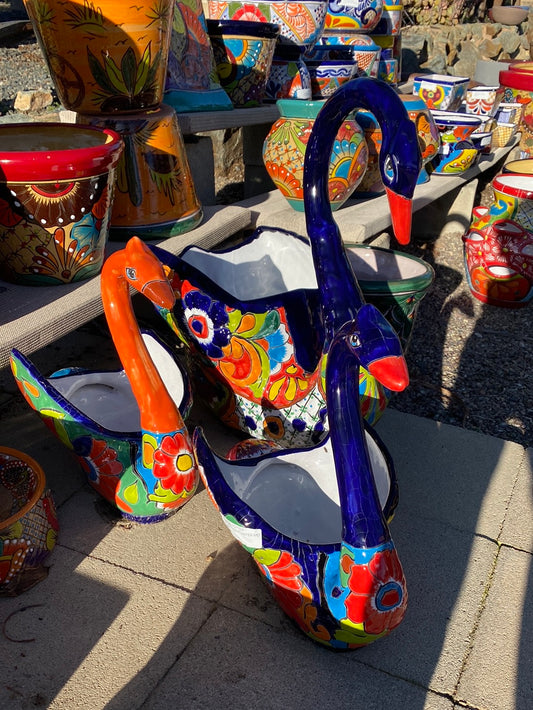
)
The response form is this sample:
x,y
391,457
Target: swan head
x,y
376,345
145,273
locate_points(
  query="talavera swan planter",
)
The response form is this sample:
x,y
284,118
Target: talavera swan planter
x,y
258,318
125,427
315,521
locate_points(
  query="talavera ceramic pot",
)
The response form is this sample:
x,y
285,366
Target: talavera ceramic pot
x,y
300,23
56,191
394,282
243,56
28,522
441,92
498,248
107,56
353,15
154,189
285,146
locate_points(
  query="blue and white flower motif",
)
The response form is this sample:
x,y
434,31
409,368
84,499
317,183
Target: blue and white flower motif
x,y
207,321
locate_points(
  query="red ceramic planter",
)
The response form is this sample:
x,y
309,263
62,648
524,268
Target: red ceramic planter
x,y
56,188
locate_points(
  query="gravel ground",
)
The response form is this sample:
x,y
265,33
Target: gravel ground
x,y
470,363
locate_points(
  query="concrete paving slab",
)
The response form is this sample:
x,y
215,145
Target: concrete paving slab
x,y
240,663
446,571
454,475
517,529
499,671
92,635
192,549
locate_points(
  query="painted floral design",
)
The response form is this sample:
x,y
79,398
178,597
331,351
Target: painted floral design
x,y
174,465
377,596
100,463
207,322
253,352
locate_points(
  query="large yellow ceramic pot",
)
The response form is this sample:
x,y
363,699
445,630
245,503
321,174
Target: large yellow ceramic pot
x,y
107,56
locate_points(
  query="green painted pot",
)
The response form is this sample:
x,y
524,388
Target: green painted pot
x,y
394,282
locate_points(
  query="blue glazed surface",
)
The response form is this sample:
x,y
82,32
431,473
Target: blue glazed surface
x,y
290,331
321,585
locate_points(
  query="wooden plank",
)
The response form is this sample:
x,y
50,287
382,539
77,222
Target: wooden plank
x,y
34,316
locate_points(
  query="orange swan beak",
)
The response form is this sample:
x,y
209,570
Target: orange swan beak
x,y
160,293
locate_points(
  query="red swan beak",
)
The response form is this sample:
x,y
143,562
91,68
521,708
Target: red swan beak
x,y
401,209
160,292
391,371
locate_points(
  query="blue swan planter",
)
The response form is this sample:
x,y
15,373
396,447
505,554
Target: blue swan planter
x,y
315,520
258,318
125,427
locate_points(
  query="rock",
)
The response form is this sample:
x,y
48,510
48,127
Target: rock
x,y
34,101
510,41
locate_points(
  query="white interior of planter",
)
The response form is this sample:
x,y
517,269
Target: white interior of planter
x,y
297,494
275,262
107,397
375,265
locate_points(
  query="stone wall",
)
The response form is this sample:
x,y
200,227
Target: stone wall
x,y
455,50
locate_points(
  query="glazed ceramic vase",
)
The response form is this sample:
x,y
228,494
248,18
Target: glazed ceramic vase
x,y
285,147
28,522
56,194
300,23
427,131
365,50
243,56
155,195
289,76
105,57
353,15
518,88
440,91
191,81
392,281
498,247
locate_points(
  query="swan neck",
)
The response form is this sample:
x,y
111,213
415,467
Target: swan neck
x,y
363,523
159,413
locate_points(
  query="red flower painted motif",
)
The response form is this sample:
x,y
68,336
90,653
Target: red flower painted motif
x,y
174,464
378,595
285,572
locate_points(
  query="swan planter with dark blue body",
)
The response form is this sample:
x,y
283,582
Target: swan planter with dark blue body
x,y
315,520
258,318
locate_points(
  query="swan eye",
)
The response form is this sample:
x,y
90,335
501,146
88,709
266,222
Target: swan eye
x,y
131,274
355,341
389,167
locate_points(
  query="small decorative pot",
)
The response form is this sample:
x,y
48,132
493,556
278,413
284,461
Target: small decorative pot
x,y
509,113
441,92
483,100
353,15
518,88
289,76
28,522
390,21
482,142
503,134
243,56
498,255
454,158
300,23
426,128
154,189
394,282
366,51
523,166
56,191
105,57
284,152
514,198
388,70
327,76
454,126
